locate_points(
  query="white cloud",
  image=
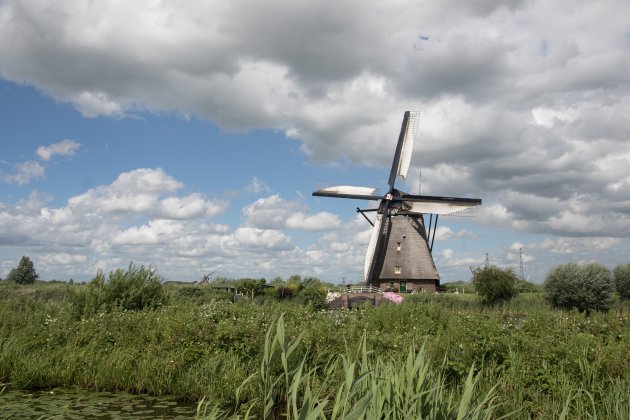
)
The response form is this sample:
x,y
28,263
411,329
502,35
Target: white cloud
x,y
448,258
257,186
559,245
94,104
136,191
24,172
601,244
274,212
156,232
192,206
521,105
515,257
445,233
260,238
317,222
63,259
63,148
564,245
519,101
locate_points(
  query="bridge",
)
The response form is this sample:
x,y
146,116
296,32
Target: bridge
x,y
361,289
358,295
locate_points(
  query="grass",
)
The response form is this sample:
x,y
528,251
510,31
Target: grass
x,y
520,358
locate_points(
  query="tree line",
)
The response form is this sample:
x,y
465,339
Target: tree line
x,y
585,287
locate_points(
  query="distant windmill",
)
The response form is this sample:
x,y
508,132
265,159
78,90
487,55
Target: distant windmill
x,y
205,278
399,254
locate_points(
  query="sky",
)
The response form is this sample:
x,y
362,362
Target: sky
x,y
190,135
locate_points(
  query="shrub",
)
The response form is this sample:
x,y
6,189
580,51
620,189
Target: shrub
x,y
314,297
135,289
585,287
524,286
622,280
24,273
251,287
283,292
495,284
201,295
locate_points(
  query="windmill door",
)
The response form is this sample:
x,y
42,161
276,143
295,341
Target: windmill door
x,y
403,287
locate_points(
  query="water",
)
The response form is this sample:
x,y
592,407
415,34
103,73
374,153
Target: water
x,y
61,403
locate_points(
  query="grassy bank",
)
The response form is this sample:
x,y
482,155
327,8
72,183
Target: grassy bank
x,y
534,360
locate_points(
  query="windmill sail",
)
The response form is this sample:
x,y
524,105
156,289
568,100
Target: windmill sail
x,y
444,209
408,142
347,191
371,250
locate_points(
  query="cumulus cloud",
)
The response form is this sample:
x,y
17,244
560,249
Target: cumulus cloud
x,y
570,245
193,206
155,232
317,222
444,233
63,148
257,186
102,221
516,254
250,237
449,259
521,104
104,228
63,259
23,173
274,212
136,191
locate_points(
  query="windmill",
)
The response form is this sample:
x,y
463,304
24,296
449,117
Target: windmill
x,y
205,278
399,255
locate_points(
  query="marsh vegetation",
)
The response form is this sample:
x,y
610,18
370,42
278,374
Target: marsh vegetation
x,y
443,355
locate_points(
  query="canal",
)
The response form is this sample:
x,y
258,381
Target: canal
x,y
59,403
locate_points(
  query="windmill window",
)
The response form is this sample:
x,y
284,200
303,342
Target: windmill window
x,y
397,269
398,246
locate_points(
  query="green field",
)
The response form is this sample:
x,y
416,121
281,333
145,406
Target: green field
x,y
436,354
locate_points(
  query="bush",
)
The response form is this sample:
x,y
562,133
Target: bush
x,y
622,280
283,292
494,284
314,297
201,295
585,287
135,289
24,273
524,286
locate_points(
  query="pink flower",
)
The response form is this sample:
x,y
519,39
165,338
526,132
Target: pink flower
x,y
393,297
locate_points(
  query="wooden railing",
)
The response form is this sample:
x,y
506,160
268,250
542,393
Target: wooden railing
x,y
362,289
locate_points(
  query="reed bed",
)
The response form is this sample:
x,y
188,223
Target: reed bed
x,y
520,359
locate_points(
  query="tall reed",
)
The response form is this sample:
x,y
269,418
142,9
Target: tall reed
x,y
371,386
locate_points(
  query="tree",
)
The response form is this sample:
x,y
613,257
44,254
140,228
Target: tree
x,y
622,280
252,287
24,273
586,287
495,284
